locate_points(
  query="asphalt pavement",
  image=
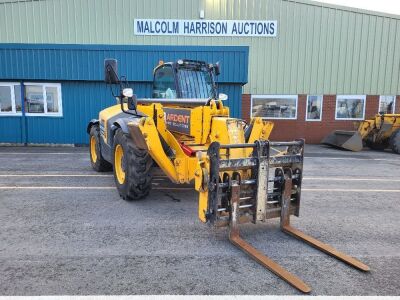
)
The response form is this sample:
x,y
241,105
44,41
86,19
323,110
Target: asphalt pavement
x,y
65,231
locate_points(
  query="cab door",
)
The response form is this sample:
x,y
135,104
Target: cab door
x,y
164,83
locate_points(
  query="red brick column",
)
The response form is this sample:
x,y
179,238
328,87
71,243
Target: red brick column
x,y
397,105
246,107
372,106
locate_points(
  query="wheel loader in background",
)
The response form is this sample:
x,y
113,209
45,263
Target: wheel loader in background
x,y
185,129
380,133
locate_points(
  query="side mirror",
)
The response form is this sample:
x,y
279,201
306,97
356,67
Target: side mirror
x,y
222,96
111,71
127,93
132,102
217,68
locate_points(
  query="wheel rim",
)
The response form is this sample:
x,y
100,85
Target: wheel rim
x,y
118,164
93,153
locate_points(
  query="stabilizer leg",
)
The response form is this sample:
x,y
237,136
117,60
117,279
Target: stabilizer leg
x,y
262,259
285,226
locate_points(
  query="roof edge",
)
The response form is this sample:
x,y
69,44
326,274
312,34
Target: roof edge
x,y
346,8
100,47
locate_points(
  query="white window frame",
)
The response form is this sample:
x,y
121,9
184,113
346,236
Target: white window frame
x,y
394,102
274,97
13,111
322,104
44,85
363,97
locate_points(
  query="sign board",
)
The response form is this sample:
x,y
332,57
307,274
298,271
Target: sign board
x,y
177,120
243,28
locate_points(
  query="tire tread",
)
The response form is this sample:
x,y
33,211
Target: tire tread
x,y
101,165
138,173
394,141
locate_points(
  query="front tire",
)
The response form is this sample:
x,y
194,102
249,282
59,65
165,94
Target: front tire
x,y
97,160
132,168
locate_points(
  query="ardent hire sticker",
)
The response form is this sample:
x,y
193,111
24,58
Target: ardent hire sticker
x,y
177,120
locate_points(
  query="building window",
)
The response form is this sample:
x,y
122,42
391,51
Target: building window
x,y
387,104
314,108
10,98
274,106
350,107
43,99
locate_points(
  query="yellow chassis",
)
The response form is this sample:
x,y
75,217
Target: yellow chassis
x,y
377,122
207,124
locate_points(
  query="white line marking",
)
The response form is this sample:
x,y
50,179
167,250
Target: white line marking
x,y
57,187
352,158
173,188
350,190
47,153
81,188
85,153
162,178
56,175
351,179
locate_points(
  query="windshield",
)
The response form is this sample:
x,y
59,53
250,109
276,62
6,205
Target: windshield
x,y
195,83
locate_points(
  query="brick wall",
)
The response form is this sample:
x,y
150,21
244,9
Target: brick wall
x,y
314,131
397,105
246,106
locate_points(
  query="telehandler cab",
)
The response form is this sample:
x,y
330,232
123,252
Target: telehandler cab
x,y
186,130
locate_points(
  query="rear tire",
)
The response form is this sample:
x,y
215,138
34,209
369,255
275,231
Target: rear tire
x,y
132,168
97,160
394,141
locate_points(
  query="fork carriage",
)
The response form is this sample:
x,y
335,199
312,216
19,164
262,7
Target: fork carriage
x,y
257,188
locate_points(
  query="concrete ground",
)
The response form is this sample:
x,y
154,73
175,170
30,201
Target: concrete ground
x,y
64,230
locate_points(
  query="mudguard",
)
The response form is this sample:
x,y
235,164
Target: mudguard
x,y
91,123
120,123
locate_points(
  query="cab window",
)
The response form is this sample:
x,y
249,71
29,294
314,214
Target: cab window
x,y
164,83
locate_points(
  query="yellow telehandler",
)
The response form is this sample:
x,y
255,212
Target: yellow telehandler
x,y
186,130
380,133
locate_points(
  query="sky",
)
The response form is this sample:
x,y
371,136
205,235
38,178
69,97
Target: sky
x,y
386,6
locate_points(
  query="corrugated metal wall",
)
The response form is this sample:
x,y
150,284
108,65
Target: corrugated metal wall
x,y
319,48
79,69
85,62
82,101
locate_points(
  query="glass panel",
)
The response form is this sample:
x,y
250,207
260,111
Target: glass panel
x,y
386,104
34,99
314,107
52,99
195,84
164,83
276,107
350,107
17,93
5,99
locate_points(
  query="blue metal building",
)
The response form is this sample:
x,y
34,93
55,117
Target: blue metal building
x,y
74,74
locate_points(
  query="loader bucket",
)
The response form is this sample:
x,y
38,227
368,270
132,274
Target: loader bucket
x,y
348,140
